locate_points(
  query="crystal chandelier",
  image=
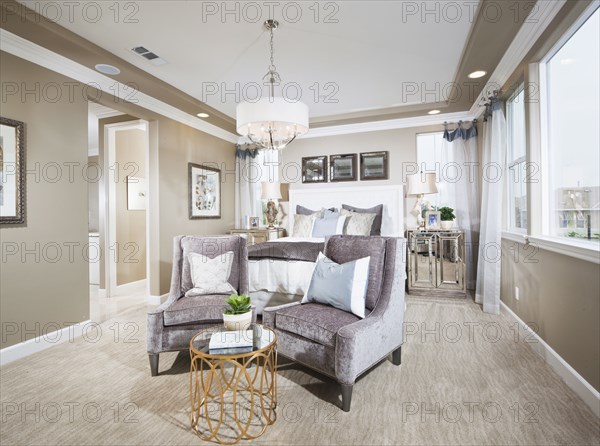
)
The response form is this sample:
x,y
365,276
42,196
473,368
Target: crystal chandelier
x,y
272,122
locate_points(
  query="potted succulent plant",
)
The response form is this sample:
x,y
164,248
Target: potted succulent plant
x,y
239,314
447,216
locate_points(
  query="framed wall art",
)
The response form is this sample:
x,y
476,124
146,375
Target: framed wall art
x,y
342,167
204,185
374,166
314,169
12,167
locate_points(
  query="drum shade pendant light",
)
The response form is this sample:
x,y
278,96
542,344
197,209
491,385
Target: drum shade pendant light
x,y
272,122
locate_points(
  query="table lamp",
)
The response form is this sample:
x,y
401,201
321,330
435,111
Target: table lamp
x,y
418,185
271,192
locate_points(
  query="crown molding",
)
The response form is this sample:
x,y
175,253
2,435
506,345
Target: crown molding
x,y
527,36
389,124
39,55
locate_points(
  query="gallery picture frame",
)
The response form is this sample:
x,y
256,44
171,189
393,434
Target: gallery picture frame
x,y
314,169
374,165
12,187
204,192
342,167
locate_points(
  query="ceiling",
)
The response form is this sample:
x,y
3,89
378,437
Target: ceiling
x,y
357,56
351,62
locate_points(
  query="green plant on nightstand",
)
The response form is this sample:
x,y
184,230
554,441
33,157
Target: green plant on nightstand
x,y
447,216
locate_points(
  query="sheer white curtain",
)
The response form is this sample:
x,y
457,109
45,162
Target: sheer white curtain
x,y
252,167
494,165
459,189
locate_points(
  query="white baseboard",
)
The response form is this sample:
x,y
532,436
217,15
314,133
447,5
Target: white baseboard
x,y
573,379
37,344
130,287
157,300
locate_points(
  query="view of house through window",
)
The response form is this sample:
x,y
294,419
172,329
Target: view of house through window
x,y
573,139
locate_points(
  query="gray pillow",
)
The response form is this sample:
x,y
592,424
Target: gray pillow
x,y
341,286
377,210
305,211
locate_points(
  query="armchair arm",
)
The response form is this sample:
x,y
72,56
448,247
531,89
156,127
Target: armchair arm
x,y
269,313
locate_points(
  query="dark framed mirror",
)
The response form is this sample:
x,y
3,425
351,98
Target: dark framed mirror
x,y
342,167
12,167
374,166
314,169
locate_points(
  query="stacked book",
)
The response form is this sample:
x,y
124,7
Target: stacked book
x,y
231,342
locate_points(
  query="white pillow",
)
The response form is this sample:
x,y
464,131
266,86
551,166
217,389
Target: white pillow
x,y
209,276
341,286
303,225
358,223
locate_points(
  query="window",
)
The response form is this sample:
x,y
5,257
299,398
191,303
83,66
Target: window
x,y
517,187
429,158
572,201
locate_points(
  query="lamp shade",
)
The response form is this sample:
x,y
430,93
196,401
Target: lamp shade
x,y
421,184
271,191
272,122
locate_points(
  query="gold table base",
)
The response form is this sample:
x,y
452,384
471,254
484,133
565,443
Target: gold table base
x,y
253,376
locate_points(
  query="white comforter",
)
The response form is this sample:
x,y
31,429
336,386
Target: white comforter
x,y
282,276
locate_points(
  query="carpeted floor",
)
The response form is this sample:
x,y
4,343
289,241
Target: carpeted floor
x,y
466,378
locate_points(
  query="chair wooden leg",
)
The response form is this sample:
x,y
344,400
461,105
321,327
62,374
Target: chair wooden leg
x,y
346,396
153,364
396,356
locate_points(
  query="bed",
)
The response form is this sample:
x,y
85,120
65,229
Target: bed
x,y
280,270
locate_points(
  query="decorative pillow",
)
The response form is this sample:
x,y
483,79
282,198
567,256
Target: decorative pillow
x,y
377,210
332,223
341,286
210,275
305,211
303,225
357,224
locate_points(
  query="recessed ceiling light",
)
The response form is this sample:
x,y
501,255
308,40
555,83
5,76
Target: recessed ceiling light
x,y
433,112
107,69
203,115
477,74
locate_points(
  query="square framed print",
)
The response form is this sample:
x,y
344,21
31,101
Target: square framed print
x,y
374,166
342,167
204,191
314,169
12,168
432,220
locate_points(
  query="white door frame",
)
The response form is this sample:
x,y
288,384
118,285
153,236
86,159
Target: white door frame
x,y
110,266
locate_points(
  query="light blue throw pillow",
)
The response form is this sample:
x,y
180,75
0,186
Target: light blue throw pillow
x,y
341,286
331,223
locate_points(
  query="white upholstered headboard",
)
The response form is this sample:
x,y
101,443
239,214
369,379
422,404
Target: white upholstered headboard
x,y
392,198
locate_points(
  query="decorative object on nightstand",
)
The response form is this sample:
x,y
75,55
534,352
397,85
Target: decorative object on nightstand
x,y
418,185
255,236
436,262
447,217
432,220
271,192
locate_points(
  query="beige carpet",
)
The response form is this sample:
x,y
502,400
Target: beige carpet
x,y
455,386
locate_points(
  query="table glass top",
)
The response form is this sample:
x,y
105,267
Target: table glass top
x,y
258,335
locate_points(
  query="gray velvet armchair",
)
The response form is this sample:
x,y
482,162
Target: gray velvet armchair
x,y
172,324
337,343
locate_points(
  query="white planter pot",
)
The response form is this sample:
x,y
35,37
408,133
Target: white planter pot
x,y
234,322
447,224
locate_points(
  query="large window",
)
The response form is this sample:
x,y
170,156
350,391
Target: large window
x,y
517,178
572,189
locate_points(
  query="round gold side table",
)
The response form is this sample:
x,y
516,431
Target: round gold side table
x,y
224,381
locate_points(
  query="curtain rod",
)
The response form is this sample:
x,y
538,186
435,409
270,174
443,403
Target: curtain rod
x,y
459,123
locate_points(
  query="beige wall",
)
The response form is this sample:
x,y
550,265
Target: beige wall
x,y
401,145
130,150
93,197
559,298
43,295
179,144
